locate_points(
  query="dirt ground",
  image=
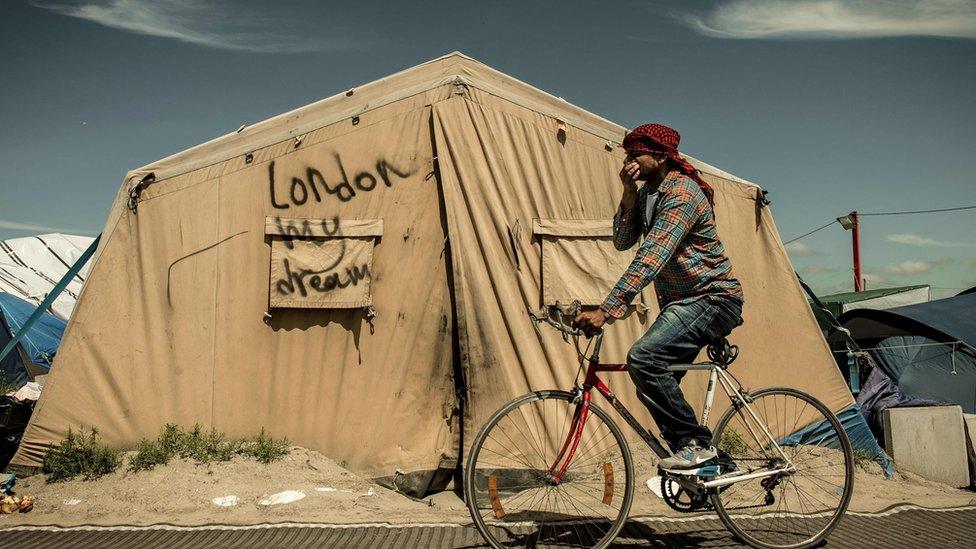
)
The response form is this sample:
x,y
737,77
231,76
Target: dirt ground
x,y
182,493
872,491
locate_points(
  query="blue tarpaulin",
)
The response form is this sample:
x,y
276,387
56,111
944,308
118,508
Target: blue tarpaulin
x,y
853,422
39,344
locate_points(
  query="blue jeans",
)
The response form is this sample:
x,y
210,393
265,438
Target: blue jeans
x,y
676,337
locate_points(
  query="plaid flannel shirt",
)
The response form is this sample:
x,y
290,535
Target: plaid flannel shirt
x,y
681,252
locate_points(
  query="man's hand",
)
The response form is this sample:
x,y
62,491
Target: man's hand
x,y
629,175
590,321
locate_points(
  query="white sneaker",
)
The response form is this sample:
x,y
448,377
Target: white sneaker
x,y
689,458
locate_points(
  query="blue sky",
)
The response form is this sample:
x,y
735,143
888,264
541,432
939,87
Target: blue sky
x,y
832,105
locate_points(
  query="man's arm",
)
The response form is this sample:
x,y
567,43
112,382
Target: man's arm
x,y
626,223
674,219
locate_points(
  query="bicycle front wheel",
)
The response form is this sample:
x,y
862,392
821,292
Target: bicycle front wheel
x,y
512,484
799,436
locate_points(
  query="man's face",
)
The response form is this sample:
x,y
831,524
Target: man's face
x,y
649,163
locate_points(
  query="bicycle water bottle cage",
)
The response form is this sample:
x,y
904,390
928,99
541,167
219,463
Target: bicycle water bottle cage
x,y
722,353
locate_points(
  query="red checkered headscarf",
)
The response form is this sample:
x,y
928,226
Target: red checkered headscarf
x,y
658,138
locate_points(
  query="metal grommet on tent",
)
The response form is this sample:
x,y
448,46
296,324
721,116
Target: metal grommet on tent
x,y
608,146
298,140
355,121
248,158
350,92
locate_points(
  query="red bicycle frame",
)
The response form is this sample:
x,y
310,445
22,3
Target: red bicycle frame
x,y
575,434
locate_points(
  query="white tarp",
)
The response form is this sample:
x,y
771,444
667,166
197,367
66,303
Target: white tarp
x,y
32,265
900,299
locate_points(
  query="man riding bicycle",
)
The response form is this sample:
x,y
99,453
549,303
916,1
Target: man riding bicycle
x,y
700,300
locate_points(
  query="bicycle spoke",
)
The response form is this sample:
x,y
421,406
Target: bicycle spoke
x,y
506,479
809,499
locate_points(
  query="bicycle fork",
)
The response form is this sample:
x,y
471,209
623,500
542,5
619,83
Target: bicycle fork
x,y
573,437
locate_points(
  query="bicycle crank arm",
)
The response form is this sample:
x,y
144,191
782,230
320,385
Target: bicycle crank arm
x,y
725,481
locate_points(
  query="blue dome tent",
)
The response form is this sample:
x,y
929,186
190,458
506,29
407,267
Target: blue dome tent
x,y
928,349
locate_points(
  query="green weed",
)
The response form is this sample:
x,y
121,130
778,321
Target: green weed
x,y
733,444
80,454
862,458
265,448
204,447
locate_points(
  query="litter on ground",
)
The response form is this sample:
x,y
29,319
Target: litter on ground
x,y
287,496
330,489
225,501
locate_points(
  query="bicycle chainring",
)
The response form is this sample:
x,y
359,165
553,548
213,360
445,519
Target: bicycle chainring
x,y
681,499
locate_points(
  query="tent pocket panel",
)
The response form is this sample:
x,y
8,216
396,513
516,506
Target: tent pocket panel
x,y
578,260
321,263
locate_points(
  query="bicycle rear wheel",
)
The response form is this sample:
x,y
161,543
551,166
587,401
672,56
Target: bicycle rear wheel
x,y
510,485
798,508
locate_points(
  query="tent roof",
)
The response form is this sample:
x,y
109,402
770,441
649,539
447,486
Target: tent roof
x,y
948,319
851,297
30,267
451,69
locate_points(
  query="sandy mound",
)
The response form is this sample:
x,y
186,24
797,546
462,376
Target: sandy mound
x,y
183,492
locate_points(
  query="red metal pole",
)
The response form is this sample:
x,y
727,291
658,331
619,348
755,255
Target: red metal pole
x,y
856,236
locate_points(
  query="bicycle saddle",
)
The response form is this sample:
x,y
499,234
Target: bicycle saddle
x,y
721,352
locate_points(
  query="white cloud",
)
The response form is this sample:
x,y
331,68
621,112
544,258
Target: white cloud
x,y
908,267
838,19
798,248
912,239
205,23
875,279
32,227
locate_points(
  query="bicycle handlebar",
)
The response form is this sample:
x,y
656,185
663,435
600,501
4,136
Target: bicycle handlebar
x,y
544,315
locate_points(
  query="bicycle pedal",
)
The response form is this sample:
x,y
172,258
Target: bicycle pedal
x,y
709,471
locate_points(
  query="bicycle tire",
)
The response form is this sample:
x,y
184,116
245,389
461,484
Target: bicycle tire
x,y
471,471
732,521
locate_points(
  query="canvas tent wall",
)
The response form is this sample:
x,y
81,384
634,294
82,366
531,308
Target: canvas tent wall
x,y
32,265
433,209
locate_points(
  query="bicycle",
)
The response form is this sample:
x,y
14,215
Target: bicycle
x,y
551,468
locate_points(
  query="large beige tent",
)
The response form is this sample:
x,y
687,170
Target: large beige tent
x,y
356,275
